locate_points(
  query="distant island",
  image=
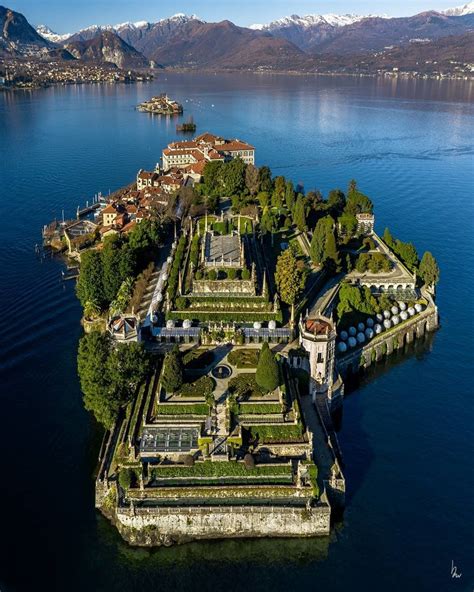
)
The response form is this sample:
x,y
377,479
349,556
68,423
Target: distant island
x,y
224,308
161,105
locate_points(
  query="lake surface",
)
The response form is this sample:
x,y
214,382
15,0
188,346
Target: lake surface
x,y
407,433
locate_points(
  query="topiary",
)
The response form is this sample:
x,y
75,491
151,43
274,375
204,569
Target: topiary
x,y
267,376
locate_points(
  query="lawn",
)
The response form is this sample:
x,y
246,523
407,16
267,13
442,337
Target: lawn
x,y
182,409
259,408
277,433
231,468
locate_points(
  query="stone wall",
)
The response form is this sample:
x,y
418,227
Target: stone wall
x,y
244,287
155,526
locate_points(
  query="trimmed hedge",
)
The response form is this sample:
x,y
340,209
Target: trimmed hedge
x,y
259,408
202,387
277,433
244,385
231,468
236,316
244,358
183,409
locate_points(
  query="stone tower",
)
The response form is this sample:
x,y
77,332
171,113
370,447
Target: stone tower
x,y
318,338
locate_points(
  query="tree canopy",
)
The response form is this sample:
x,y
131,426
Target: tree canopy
x,y
172,377
429,270
267,376
109,375
290,277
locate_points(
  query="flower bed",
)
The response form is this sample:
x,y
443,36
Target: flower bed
x,y
202,387
244,358
182,409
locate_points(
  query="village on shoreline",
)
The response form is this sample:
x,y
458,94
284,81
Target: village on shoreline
x,y
224,308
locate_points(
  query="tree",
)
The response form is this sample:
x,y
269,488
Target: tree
x,y
336,202
429,270
111,276
332,259
251,179
388,238
348,225
278,195
324,228
127,367
407,253
357,202
172,377
212,175
267,376
290,278
289,195
299,215
125,478
265,179
93,353
263,199
233,176
90,287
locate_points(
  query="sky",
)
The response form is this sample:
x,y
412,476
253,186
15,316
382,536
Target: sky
x,y
65,16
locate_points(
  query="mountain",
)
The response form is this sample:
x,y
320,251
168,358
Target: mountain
x,y
50,35
307,32
447,55
460,10
18,37
107,47
376,34
224,45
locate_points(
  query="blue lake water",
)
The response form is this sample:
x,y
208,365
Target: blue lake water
x,y
407,433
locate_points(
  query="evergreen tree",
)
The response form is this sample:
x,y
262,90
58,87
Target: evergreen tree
x,y
289,196
324,228
251,179
265,179
429,270
90,287
290,278
299,214
233,176
336,202
407,253
278,195
332,259
267,376
388,238
172,377
348,263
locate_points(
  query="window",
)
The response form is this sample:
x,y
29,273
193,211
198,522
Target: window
x,y
320,359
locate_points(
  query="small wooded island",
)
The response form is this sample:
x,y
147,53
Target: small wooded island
x,y
223,309
161,105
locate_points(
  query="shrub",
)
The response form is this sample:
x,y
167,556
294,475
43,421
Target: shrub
x,y
198,275
188,460
212,275
244,358
172,377
268,375
249,461
244,385
231,273
245,274
125,478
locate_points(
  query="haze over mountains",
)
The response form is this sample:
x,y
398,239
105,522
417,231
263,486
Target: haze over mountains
x,y
290,43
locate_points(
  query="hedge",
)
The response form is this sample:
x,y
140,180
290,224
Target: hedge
x,y
236,316
175,268
259,408
244,385
277,433
183,409
244,358
202,387
208,468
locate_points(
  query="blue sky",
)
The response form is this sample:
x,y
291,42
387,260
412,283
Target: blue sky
x,y
69,15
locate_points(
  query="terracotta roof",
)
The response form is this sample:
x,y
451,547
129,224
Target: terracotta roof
x,y
317,327
235,145
130,226
364,216
110,209
146,175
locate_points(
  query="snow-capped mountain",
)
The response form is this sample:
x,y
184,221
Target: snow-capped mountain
x,y
50,35
310,20
460,10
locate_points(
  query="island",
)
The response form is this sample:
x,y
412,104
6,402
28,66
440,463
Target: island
x,y
161,105
224,309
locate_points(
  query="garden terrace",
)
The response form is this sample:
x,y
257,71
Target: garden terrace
x,y
244,358
223,251
180,409
200,388
238,494
157,440
244,387
278,434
